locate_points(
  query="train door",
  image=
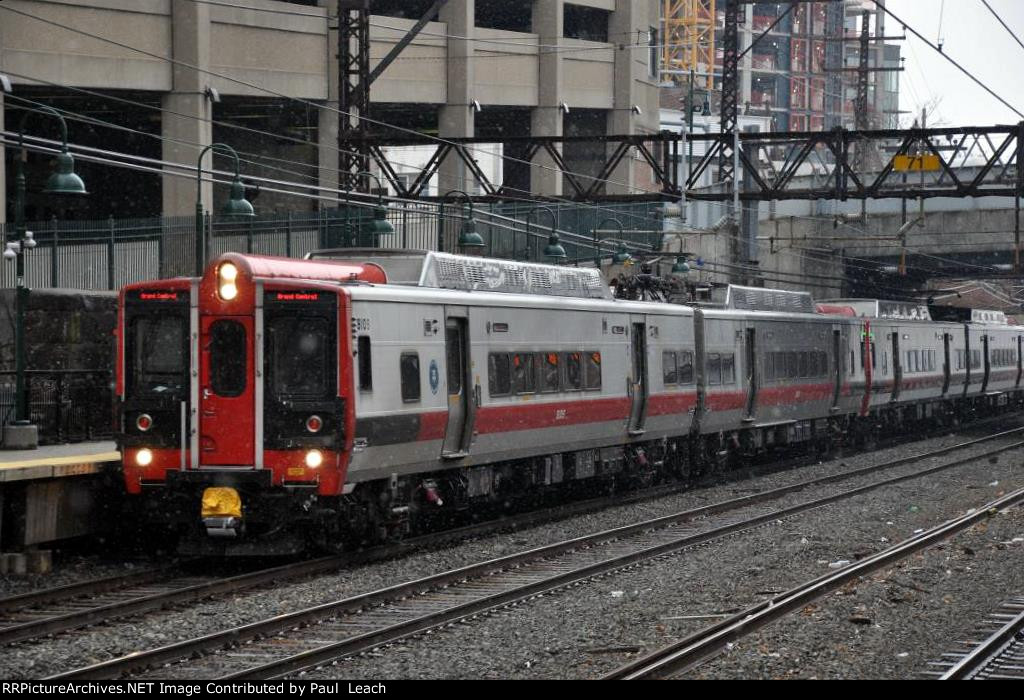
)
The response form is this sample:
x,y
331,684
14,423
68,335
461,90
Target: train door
x,y
946,368
750,357
837,366
967,359
227,393
897,365
1020,357
638,385
986,365
461,397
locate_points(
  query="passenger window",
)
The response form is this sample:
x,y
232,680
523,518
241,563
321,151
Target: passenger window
x,y
524,374
792,365
573,371
669,368
728,369
802,357
453,343
592,374
365,366
409,370
499,378
228,358
769,366
686,367
714,369
549,372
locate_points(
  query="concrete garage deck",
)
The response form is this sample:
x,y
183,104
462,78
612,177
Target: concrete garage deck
x,y
54,493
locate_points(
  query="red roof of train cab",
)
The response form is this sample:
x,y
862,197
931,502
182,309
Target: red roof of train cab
x,y
833,310
270,267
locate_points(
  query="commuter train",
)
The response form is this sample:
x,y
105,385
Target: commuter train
x,y
275,403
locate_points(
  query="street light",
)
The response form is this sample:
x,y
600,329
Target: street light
x,y
554,249
237,206
378,225
22,434
597,244
470,240
682,266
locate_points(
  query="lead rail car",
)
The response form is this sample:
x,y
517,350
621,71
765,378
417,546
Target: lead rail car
x,y
273,401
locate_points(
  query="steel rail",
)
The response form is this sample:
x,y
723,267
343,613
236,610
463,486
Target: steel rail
x,y
980,659
691,651
174,652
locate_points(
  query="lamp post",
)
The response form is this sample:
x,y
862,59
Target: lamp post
x,y
237,206
22,434
378,225
554,249
597,243
470,241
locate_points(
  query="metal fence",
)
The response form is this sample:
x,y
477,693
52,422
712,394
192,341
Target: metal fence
x,y
107,254
66,405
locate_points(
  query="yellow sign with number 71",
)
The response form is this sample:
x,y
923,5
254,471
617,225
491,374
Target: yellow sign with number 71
x,y
915,164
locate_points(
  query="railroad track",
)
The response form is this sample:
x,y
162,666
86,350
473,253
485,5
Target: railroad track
x,y
63,609
690,652
304,639
996,654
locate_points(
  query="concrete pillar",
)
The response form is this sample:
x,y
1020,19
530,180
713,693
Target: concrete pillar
x,y
457,118
547,118
190,30
3,161
629,20
3,168
327,128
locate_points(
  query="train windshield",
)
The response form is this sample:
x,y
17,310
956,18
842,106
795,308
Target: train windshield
x,y
158,355
299,358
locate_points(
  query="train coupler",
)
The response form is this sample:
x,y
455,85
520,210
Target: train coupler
x,y
222,512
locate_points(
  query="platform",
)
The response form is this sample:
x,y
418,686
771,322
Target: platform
x,y
56,492
56,461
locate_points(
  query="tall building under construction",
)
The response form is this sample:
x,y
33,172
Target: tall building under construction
x,y
814,68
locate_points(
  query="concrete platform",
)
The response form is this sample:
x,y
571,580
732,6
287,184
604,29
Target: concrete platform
x,y
56,461
56,492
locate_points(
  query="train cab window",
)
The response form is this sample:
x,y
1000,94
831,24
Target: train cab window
x,y
228,358
299,356
409,371
549,372
573,371
159,355
365,359
592,371
728,369
669,368
524,374
714,369
685,367
499,376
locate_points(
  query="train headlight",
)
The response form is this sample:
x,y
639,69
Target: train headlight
x,y
227,276
144,458
314,458
144,422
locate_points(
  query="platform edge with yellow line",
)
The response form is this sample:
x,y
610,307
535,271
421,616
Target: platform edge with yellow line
x,y
46,499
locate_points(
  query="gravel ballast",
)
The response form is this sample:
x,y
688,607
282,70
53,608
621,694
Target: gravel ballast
x,y
576,634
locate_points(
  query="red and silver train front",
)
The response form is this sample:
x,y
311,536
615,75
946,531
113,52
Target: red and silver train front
x,y
234,410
